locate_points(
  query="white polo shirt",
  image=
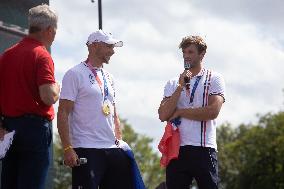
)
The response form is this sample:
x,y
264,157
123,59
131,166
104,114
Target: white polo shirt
x,y
198,133
89,127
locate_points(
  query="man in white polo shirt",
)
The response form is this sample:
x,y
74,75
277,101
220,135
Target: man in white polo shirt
x,y
197,105
88,123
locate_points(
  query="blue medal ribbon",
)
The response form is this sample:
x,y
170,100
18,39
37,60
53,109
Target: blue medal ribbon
x,y
105,93
105,86
194,89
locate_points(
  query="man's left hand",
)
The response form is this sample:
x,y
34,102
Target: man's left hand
x,y
175,115
3,131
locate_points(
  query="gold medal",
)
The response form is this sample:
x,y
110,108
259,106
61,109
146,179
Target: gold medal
x,y
106,109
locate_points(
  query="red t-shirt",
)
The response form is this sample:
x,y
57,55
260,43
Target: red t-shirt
x,y
23,68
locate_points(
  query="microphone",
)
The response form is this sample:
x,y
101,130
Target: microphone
x,y
80,161
186,78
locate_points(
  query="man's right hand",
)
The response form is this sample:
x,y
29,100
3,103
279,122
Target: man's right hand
x,y
70,158
185,73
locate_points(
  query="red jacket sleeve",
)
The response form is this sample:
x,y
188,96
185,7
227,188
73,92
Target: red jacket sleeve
x,y
45,69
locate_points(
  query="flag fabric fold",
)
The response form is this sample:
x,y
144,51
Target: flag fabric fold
x,y
170,142
137,178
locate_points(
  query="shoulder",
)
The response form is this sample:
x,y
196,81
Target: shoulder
x,y
10,50
79,67
214,76
217,83
172,82
76,70
39,54
29,45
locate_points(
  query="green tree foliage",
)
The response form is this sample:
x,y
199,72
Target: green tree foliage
x,y
147,160
62,174
252,156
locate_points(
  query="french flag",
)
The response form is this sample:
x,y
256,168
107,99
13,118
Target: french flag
x,y
170,142
137,178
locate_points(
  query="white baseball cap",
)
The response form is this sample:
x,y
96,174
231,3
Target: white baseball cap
x,y
102,36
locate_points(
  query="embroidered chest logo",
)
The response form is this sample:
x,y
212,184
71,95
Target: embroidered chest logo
x,y
92,79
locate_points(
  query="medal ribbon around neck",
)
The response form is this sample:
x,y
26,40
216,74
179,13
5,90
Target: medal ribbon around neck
x,y
195,86
106,108
194,89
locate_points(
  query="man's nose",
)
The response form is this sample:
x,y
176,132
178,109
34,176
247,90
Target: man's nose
x,y
186,56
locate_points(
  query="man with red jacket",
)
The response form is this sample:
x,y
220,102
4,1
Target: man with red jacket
x,y
27,92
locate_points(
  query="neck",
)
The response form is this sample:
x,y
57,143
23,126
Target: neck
x,y
94,61
196,69
38,37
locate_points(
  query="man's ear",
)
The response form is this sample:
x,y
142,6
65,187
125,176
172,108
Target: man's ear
x,y
90,46
201,55
48,29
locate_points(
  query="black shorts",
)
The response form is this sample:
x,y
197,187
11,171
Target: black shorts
x,y
193,162
106,168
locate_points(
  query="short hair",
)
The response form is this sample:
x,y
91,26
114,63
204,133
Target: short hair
x,y
195,40
41,17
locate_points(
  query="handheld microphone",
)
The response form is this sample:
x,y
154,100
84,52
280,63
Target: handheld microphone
x,y
80,161
186,78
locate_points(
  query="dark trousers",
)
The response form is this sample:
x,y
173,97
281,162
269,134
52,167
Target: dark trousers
x,y
26,163
193,162
106,169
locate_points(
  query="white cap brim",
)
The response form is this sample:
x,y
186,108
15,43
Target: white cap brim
x,y
114,42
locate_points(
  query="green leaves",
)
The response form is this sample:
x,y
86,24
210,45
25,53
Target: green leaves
x,y
62,174
251,156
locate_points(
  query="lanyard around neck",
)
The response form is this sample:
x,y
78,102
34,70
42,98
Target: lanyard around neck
x,y
105,91
194,89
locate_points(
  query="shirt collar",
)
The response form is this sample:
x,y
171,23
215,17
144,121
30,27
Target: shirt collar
x,y
32,40
93,67
201,73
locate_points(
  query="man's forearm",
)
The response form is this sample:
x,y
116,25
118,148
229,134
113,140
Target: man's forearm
x,y
168,105
54,92
117,128
63,128
49,93
198,114
208,112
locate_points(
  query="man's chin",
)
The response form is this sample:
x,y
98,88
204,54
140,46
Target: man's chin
x,y
106,60
193,65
